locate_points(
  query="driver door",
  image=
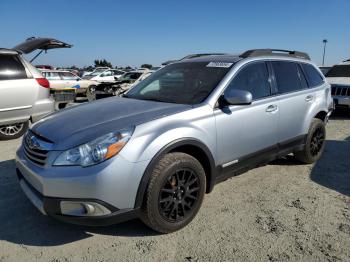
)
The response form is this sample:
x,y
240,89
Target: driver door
x,y
246,133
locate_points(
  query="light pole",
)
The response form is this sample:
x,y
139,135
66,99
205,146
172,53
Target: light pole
x,y
325,41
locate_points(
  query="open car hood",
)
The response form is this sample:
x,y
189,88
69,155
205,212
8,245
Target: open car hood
x,y
38,43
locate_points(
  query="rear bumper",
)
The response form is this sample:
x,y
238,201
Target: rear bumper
x,y
51,206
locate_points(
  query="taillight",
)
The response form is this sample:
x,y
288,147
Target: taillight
x,y
43,82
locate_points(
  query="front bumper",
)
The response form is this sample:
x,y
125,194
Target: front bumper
x,y
112,185
341,101
51,206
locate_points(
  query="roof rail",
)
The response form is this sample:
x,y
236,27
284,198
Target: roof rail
x,y
274,52
347,60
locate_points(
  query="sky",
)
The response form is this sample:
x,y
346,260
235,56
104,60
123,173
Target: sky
x,y
137,32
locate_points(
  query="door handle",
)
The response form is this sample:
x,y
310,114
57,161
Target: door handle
x,y
309,98
271,108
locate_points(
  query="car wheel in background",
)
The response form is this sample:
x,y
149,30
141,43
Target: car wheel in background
x,y
90,93
175,193
315,143
13,131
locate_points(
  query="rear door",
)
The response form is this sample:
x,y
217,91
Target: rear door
x,y
294,101
18,90
70,80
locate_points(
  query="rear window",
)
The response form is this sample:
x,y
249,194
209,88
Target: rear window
x,y
287,76
339,71
11,68
313,76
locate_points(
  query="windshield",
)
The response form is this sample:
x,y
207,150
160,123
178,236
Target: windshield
x,y
339,71
130,76
97,72
181,83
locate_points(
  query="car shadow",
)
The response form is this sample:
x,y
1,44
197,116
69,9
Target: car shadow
x,y
21,223
332,170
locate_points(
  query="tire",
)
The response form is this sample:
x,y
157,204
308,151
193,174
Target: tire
x,y
174,194
13,131
90,93
315,143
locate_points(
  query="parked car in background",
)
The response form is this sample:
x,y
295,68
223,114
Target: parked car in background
x,y
100,69
109,75
66,86
122,85
155,152
24,92
324,69
66,79
339,78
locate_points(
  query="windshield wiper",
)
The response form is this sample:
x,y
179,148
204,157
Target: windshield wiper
x,y
150,99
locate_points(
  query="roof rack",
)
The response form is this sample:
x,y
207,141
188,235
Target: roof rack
x,y
8,51
347,60
274,52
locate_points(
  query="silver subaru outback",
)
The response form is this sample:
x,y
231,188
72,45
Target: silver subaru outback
x,y
155,152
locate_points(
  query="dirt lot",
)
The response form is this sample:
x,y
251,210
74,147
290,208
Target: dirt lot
x,y
279,212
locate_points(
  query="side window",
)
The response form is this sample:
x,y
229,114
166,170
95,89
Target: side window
x,y
11,68
287,76
68,76
313,75
253,78
107,73
51,75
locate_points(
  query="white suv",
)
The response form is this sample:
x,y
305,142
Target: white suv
x,y
24,94
339,78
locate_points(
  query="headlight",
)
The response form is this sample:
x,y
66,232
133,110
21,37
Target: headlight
x,y
95,151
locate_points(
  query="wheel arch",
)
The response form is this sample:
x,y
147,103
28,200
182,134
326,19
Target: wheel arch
x,y
189,146
321,115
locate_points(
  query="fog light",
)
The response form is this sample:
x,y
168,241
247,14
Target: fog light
x,y
75,208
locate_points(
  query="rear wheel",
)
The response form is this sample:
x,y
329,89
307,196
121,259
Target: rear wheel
x,y
13,131
174,194
315,143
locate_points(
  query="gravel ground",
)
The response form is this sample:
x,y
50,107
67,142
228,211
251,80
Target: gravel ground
x,y
283,211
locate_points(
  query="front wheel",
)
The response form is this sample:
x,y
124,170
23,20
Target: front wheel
x,y
315,143
175,193
13,131
90,93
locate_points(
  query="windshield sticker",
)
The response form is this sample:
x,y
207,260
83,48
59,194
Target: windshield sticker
x,y
219,64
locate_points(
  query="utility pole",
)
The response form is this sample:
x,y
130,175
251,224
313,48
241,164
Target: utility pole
x,y
325,41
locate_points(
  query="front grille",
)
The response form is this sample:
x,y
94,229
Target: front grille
x,y
338,90
37,153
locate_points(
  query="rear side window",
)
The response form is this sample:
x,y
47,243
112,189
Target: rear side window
x,y
51,75
253,78
11,68
313,76
287,76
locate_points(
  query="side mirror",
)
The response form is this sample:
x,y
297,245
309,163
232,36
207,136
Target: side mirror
x,y
237,97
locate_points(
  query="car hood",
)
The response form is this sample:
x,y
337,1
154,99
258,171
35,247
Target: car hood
x,y
338,80
80,124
